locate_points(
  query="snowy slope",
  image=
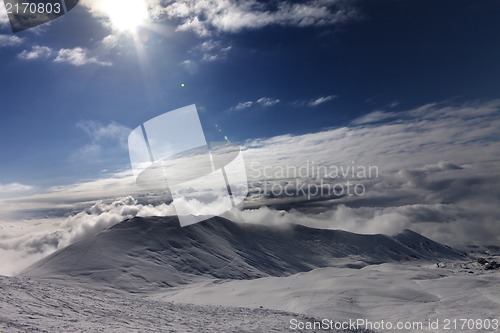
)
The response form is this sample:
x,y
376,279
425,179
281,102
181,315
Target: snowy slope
x,y
395,292
29,305
143,254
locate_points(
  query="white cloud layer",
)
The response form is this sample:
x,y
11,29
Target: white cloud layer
x,y
437,174
438,170
12,189
24,242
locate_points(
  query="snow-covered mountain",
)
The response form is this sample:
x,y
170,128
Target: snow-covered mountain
x,y
144,254
149,274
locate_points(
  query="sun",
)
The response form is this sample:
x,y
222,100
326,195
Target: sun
x,y
126,15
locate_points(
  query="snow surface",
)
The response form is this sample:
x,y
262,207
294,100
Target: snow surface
x,y
148,274
34,306
389,292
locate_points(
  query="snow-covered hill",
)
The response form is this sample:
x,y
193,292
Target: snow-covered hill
x,y
29,305
144,254
149,274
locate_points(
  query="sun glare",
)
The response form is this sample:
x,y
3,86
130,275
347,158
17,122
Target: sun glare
x,y
126,16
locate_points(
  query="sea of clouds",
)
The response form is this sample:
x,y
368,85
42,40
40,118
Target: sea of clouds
x,y
438,173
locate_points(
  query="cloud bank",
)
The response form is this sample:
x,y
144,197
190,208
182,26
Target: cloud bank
x,y
24,242
437,173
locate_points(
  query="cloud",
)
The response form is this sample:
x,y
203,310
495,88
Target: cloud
x,y
263,101
207,51
99,134
321,100
190,66
112,131
213,50
36,52
110,41
373,117
78,57
211,57
24,242
242,106
209,45
10,40
314,102
438,170
267,101
14,189
204,18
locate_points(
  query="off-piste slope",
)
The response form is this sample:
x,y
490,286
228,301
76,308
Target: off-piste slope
x,y
143,254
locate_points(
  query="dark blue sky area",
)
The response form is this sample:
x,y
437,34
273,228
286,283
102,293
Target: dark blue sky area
x,y
393,55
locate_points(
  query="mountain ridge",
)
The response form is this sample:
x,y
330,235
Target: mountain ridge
x,y
144,254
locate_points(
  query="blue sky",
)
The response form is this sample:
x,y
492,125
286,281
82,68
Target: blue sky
x,y
70,90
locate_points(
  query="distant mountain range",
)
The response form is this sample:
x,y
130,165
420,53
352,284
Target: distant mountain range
x,y
145,254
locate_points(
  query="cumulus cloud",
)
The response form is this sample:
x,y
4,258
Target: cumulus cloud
x,y
78,56
24,242
204,18
36,52
10,40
